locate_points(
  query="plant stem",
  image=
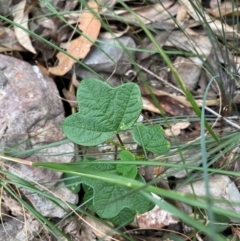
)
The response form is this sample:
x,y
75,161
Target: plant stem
x,y
120,141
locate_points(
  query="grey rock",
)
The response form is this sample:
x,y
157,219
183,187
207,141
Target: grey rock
x,y
221,187
189,69
48,208
16,229
30,117
30,230
28,104
111,56
83,73
5,7
47,154
191,157
10,229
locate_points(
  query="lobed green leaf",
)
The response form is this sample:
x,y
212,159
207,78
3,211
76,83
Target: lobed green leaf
x,y
104,111
151,137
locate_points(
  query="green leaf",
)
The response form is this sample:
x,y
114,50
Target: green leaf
x,y
72,182
88,197
127,170
104,111
151,137
124,217
221,223
109,199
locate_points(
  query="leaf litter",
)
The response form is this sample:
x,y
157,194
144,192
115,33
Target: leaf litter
x,y
195,20
78,48
21,18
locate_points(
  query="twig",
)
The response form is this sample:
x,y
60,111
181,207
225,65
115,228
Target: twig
x,y
161,79
199,104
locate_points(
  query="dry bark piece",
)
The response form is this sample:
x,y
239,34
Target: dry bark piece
x,y
78,48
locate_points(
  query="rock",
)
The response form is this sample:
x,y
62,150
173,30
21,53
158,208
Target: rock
x,y
109,56
114,80
30,117
48,208
221,188
155,219
191,157
11,229
189,69
21,229
5,6
30,230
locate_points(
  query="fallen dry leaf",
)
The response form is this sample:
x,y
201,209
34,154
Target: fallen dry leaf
x,y
114,33
78,48
14,206
19,17
8,40
170,105
182,15
161,39
148,104
106,5
226,8
100,230
216,25
146,14
198,44
176,129
70,98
